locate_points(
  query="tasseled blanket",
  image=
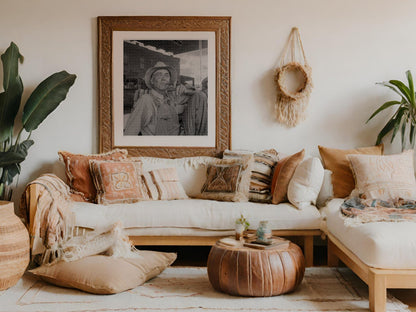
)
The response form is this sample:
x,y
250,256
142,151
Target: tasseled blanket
x,y
51,227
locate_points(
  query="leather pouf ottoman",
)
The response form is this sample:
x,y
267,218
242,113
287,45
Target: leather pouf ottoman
x,y
246,271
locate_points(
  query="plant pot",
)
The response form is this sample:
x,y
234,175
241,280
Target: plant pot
x,y
239,230
14,246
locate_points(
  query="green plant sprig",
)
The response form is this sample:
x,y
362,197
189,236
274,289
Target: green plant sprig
x,y
404,118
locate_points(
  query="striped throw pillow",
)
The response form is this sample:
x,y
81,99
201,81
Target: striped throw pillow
x,y
261,172
164,184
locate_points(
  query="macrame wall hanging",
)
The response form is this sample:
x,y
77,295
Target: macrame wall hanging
x,y
293,81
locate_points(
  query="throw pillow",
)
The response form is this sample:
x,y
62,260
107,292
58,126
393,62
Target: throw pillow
x,y
327,192
164,184
306,183
77,169
336,161
228,179
283,172
384,177
118,181
106,275
261,173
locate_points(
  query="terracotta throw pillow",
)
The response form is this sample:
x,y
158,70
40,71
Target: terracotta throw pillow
x,y
336,161
118,181
384,177
106,275
77,169
164,184
228,179
283,172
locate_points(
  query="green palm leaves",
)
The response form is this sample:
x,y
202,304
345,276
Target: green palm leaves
x,y
44,100
404,118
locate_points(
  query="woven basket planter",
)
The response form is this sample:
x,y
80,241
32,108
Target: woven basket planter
x,y
14,246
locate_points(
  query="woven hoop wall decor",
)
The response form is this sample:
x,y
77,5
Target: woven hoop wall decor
x,y
293,80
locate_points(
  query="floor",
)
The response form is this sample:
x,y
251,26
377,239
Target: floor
x,y
198,255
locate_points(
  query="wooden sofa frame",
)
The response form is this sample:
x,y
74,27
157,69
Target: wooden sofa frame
x,y
306,236
378,280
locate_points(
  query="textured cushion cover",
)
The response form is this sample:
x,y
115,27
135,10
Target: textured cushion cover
x,y
384,177
168,184
106,275
191,170
306,183
228,179
118,181
336,161
261,172
283,172
77,169
327,192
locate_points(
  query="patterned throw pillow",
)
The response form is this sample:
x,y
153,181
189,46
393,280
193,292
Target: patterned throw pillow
x,y
283,173
228,179
118,181
336,161
77,169
261,173
384,177
164,184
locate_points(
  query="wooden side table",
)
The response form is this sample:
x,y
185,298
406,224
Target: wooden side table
x,y
245,271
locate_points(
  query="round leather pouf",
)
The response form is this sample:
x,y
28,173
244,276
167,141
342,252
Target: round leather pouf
x,y
245,271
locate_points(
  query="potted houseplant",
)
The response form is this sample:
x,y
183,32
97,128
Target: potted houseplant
x,y
404,117
241,225
41,102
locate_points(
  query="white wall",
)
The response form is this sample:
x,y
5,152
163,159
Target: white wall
x,y
350,45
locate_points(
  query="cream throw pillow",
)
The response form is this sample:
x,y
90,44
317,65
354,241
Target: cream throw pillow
x,y
384,177
106,275
306,183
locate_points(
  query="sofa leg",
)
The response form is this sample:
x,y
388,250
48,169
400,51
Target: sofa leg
x,y
333,260
377,292
308,250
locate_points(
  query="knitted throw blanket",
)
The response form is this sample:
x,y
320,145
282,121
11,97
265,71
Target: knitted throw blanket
x,y
51,227
52,221
359,210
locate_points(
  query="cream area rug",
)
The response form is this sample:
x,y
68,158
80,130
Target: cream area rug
x,y
188,289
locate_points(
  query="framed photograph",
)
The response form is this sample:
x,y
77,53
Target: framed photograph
x,y
164,85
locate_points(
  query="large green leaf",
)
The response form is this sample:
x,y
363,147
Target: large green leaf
x,y
45,98
403,134
13,89
412,135
9,172
383,107
10,60
386,129
398,120
411,88
16,154
403,89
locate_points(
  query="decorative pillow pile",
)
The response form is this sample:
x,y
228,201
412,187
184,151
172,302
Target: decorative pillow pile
x,y
228,179
164,184
336,161
306,183
261,173
118,181
77,169
384,177
283,173
106,275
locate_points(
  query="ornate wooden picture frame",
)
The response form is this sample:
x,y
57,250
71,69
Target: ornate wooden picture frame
x,y
194,51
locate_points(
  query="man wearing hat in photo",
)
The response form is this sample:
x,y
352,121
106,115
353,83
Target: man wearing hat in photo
x,y
155,113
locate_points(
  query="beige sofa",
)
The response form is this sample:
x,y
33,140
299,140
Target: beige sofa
x,y
192,221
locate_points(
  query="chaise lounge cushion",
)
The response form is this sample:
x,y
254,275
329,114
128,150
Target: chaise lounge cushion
x,y
384,245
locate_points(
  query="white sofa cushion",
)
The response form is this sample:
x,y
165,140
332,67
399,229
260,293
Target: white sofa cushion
x,y
306,183
195,213
191,170
385,245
